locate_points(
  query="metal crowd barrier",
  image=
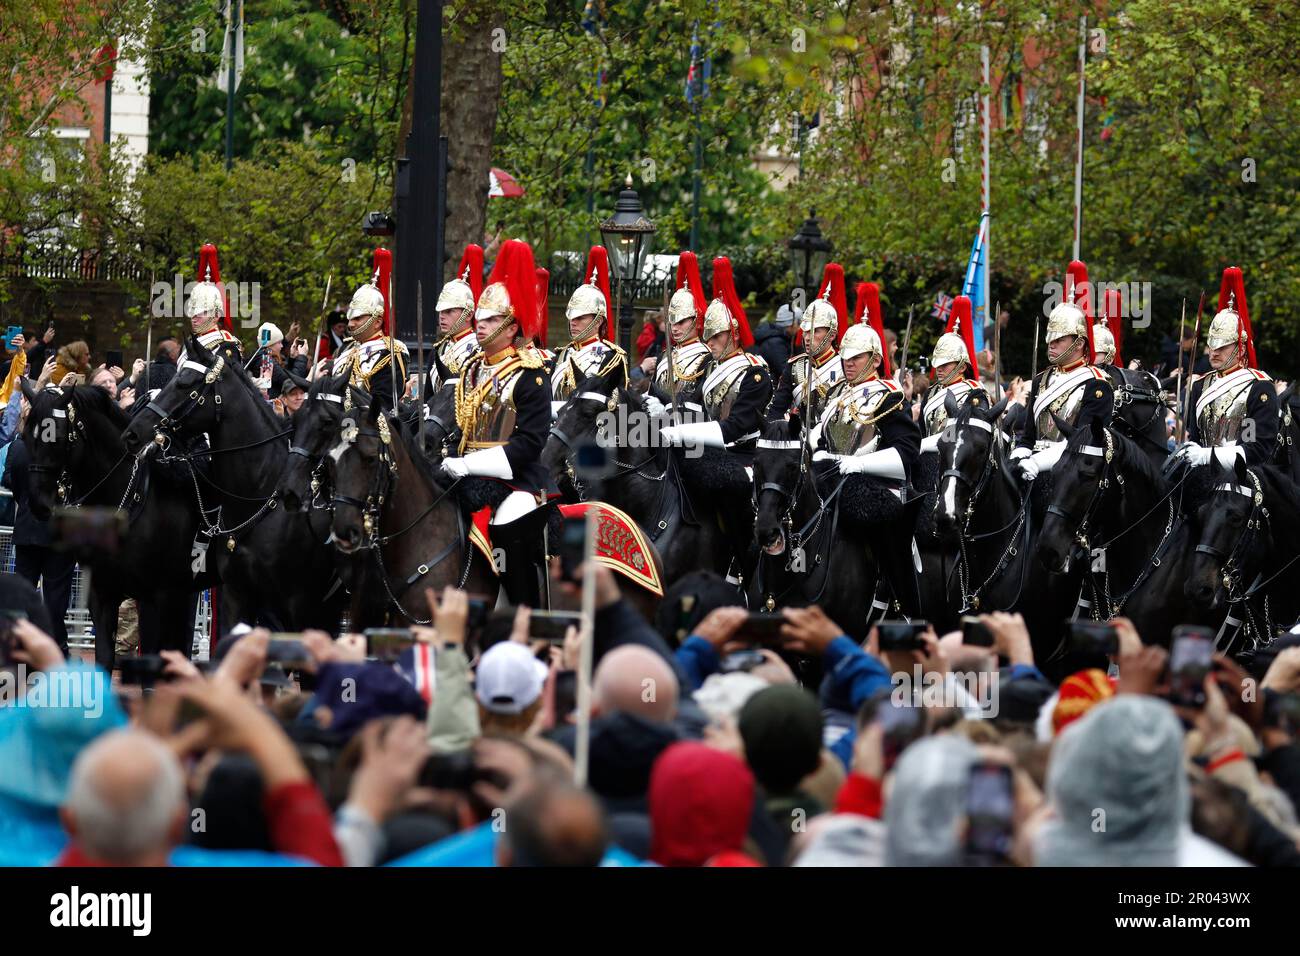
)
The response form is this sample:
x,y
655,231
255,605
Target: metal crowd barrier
x,y
81,629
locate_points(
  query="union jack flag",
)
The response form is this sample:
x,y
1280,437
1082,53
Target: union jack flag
x,y
942,306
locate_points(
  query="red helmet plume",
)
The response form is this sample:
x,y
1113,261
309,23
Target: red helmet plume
x,y
1078,291
833,276
382,267
598,275
210,271
471,268
960,322
1234,284
868,302
724,288
688,273
1111,309
543,319
515,270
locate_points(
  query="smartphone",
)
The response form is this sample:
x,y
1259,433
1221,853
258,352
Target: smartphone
x,y
1094,638
113,358
552,625
8,640
902,725
264,337
143,671
12,333
1191,655
480,607
901,635
288,650
744,661
573,549
88,532
975,632
1282,711
990,814
387,643
762,627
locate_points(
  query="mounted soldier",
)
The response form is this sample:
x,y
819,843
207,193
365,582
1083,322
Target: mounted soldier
x,y
690,357
735,395
1072,390
457,343
366,359
590,315
1234,406
818,370
866,430
208,310
956,373
503,408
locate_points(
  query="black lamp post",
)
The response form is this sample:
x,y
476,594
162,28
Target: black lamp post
x,y
809,253
627,236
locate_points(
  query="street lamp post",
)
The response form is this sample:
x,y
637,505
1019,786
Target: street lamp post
x,y
809,253
627,236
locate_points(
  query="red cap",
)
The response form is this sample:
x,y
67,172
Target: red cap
x,y
724,288
383,268
1076,282
210,271
688,273
515,269
598,275
543,320
1111,307
868,301
1234,283
473,261
833,276
961,323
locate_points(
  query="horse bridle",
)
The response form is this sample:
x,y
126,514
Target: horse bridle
x,y
790,496
1231,561
170,421
1107,454
986,473
381,483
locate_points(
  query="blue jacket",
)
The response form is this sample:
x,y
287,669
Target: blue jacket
x,y
477,847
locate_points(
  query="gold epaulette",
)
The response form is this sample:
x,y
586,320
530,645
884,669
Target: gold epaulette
x,y
530,358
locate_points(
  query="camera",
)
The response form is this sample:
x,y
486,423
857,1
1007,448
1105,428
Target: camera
x,y
385,644
1191,656
902,635
1094,638
975,632
552,625
143,671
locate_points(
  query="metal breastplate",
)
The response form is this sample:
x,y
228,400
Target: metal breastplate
x,y
935,415
689,364
1066,407
572,365
487,416
455,353
1220,419
826,378
721,394
850,423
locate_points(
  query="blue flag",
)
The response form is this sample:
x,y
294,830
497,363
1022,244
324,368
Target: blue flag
x,y
973,285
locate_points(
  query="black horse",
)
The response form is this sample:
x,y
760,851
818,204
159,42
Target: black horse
x,y
645,481
393,510
800,539
984,516
1140,411
1109,501
1246,560
73,436
272,568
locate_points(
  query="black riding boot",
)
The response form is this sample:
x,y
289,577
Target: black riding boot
x,y
523,542
893,551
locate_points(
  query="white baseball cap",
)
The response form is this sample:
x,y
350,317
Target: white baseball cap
x,y
509,678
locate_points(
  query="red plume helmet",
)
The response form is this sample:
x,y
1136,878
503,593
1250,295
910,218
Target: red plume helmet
x,y
1111,308
833,276
868,302
1234,285
1079,292
471,268
724,288
688,273
543,319
210,271
515,270
598,275
960,323
383,274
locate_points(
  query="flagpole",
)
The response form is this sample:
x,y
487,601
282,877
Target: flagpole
x,y
1078,160
985,196
236,22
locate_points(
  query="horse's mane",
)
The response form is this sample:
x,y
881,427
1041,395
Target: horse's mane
x,y
410,439
1280,490
94,398
1128,452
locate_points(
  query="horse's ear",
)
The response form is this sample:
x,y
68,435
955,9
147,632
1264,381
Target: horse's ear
x,y
1239,467
794,428
1098,433
29,390
950,404
996,411
197,350
1063,426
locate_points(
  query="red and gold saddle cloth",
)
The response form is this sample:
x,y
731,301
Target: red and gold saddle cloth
x,y
621,545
